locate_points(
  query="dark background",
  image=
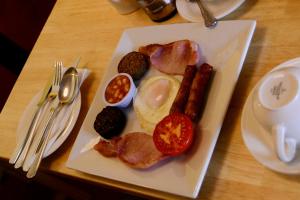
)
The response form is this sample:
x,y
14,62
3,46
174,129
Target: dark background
x,y
21,22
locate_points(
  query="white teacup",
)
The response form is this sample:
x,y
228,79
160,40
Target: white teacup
x,y
276,106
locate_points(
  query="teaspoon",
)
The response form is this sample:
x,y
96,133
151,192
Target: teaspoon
x,y
209,20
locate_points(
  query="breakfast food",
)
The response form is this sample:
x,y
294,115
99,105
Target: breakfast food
x,y
184,90
108,149
136,149
154,99
110,122
135,64
163,106
174,134
119,91
172,58
196,96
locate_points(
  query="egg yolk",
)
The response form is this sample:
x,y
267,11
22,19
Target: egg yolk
x,y
157,93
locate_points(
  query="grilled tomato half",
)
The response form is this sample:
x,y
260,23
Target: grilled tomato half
x,y
173,135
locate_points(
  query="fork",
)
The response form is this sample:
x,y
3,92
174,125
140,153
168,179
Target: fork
x,y
209,20
55,84
39,151
20,158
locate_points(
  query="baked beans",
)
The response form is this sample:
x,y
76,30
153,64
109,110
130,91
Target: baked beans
x,y
117,89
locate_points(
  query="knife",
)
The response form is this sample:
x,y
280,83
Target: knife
x,y
21,150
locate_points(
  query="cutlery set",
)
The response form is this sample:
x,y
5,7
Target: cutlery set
x,y
61,91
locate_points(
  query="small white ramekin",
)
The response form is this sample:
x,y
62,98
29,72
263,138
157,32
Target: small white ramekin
x,y
127,98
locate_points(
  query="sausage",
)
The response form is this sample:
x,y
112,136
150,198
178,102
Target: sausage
x,y
196,97
184,90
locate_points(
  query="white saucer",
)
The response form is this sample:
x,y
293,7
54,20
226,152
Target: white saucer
x,y
219,8
259,141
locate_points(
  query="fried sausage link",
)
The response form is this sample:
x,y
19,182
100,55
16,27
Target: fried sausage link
x,y
197,91
184,90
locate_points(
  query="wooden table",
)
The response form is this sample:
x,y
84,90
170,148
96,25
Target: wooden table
x,y
91,29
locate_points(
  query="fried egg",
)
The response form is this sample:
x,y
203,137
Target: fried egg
x,y
154,99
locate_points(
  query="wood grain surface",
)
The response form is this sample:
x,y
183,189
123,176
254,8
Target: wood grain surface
x,y
91,29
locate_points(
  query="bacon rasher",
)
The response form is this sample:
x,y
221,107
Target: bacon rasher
x,y
172,58
135,149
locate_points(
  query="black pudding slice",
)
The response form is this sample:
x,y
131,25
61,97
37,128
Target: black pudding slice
x,y
135,64
110,122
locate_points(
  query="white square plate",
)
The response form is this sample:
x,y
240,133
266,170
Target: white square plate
x,y
223,47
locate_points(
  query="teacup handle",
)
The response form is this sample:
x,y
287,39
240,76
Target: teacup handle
x,y
285,147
